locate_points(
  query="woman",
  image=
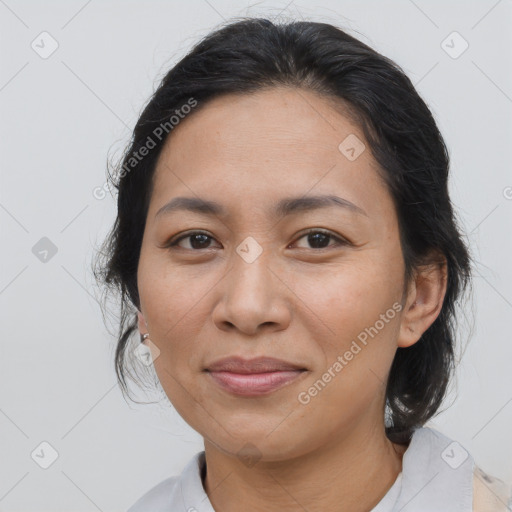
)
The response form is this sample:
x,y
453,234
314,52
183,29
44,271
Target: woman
x,y
286,246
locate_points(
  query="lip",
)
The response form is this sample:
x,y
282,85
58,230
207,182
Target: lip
x,y
237,364
253,377
254,384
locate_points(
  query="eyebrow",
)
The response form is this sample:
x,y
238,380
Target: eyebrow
x,y
284,207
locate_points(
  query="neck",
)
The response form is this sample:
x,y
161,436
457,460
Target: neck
x,y
352,473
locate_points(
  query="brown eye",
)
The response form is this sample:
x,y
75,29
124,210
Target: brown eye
x,y
319,239
316,238
198,240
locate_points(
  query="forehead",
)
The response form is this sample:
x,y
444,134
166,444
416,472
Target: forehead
x,y
272,143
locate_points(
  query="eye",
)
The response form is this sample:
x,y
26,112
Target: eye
x,y
319,238
198,240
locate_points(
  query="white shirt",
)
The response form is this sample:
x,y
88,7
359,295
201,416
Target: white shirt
x,y
437,476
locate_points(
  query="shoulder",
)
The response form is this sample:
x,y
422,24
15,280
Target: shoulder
x,y
158,497
490,494
173,492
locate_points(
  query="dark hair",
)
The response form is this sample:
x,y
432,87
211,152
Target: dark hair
x,y
252,54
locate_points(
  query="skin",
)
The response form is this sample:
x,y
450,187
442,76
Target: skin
x,y
295,302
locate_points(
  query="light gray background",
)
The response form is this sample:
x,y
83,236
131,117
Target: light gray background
x,y
62,115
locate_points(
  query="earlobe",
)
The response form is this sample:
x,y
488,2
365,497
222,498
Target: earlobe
x,y
408,335
141,323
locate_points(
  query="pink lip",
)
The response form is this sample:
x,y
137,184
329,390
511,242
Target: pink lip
x,y
237,364
254,384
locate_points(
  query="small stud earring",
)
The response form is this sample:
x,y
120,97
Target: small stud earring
x,y
144,337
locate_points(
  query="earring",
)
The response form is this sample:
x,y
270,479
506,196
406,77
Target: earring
x,y
144,337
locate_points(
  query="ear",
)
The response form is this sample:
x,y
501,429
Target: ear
x,y
143,326
424,301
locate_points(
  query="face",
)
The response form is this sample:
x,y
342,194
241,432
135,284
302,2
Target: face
x,y
316,284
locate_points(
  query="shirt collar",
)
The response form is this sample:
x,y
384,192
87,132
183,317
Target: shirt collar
x,y
435,470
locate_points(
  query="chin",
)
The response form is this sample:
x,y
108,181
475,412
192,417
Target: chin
x,y
252,444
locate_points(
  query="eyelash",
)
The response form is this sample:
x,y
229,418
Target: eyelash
x,y
340,241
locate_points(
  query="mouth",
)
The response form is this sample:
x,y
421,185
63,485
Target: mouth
x,y
254,377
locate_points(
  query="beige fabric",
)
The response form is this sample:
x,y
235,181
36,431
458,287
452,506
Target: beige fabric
x,y
490,494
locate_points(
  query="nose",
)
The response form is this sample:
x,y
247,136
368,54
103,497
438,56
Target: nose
x,y
252,298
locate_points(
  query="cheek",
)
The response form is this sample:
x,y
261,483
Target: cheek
x,y
357,308
172,304
172,293
350,296
175,309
